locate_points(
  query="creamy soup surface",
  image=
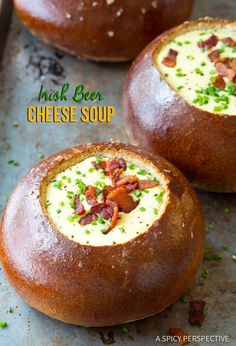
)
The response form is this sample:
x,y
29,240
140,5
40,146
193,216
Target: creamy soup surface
x,y
205,70
71,185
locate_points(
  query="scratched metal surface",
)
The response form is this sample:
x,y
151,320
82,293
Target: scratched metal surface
x,y
25,65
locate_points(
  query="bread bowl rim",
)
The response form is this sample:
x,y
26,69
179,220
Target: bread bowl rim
x,y
78,157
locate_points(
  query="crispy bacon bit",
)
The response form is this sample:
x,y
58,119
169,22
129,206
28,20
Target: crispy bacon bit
x,y
131,187
130,179
214,55
105,192
113,164
196,312
114,219
232,64
209,43
87,219
171,59
122,200
115,175
91,196
130,183
219,83
79,206
147,184
229,40
231,75
98,208
183,336
122,163
103,210
100,165
107,213
223,69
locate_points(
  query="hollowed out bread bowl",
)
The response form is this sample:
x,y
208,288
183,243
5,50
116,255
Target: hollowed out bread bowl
x,y
179,101
92,268
104,30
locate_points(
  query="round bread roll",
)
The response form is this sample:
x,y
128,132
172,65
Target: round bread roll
x,y
102,234
104,30
180,101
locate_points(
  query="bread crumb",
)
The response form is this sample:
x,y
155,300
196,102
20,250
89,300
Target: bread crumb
x,y
68,15
94,3
110,2
143,10
155,4
119,12
110,33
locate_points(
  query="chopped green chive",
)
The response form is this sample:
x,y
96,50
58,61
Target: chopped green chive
x,y
180,74
100,220
131,166
3,324
210,226
155,211
217,109
73,218
13,162
98,159
225,247
138,193
87,231
159,198
122,229
58,211
72,205
125,329
142,209
58,184
91,170
204,276
197,70
190,57
142,172
41,156
184,299
81,186
100,184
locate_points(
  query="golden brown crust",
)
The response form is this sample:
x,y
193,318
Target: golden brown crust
x,y
101,30
201,144
97,286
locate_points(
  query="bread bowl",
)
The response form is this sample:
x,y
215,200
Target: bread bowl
x,y
94,270
186,111
105,30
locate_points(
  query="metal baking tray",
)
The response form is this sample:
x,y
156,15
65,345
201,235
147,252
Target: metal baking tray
x,y
25,64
